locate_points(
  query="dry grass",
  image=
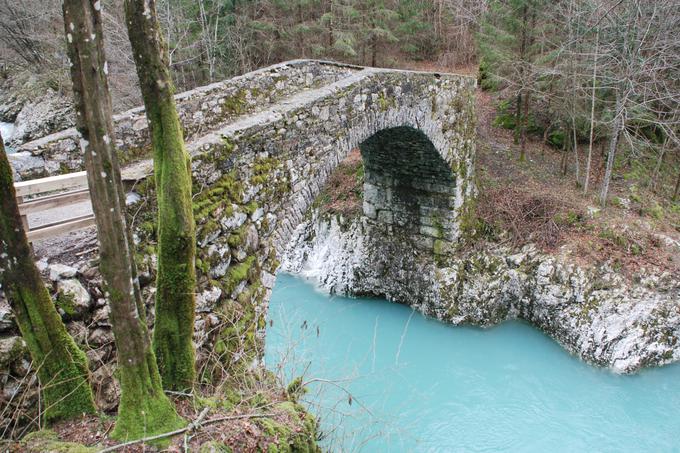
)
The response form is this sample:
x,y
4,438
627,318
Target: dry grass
x,y
343,193
240,430
541,219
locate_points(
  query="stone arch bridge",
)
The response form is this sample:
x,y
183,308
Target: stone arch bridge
x,y
262,147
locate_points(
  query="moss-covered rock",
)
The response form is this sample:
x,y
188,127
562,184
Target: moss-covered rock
x,y
46,441
297,435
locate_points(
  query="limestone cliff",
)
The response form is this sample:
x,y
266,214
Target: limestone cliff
x,y
596,314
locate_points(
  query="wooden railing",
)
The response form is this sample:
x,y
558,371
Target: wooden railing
x,y
71,188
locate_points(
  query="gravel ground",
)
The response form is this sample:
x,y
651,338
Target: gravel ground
x,y
65,247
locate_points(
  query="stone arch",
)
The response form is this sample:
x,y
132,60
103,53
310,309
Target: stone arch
x,y
434,213
408,185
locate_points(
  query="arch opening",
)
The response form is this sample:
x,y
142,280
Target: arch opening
x,y
408,185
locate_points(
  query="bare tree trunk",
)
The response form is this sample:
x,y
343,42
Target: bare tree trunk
x,y
374,48
331,38
144,409
659,162
577,164
613,144
574,88
176,279
518,117
62,366
523,129
564,162
676,192
519,120
592,116
374,52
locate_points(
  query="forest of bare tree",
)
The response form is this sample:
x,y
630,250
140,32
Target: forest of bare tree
x,y
580,74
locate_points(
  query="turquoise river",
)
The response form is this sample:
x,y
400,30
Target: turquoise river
x,y
386,379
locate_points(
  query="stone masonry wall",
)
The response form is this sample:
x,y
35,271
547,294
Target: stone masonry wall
x,y
409,186
256,176
201,110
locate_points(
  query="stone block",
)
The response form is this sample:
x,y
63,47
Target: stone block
x,y
431,231
61,271
370,211
423,242
72,297
385,216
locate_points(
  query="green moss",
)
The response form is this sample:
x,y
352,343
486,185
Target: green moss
x,y
439,250
176,236
63,365
246,295
148,228
66,303
262,169
228,146
239,273
286,438
144,408
613,237
207,229
204,267
133,154
385,103
655,211
251,207
268,172
295,389
235,104
468,219
238,236
219,198
47,441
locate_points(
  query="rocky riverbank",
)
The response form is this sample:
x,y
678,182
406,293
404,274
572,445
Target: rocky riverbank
x,y
36,107
595,313
77,292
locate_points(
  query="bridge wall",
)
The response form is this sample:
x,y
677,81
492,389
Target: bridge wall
x,y
200,110
256,179
258,168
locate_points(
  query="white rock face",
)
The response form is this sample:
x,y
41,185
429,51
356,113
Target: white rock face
x,y
77,296
321,252
61,271
593,313
26,165
206,300
42,116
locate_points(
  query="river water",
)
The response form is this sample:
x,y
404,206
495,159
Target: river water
x,y
419,385
6,130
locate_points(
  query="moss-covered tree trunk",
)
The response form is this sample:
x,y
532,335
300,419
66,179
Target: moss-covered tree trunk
x,y
176,277
62,367
144,408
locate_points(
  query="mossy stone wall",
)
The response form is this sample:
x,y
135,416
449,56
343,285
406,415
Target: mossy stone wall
x,y
262,148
